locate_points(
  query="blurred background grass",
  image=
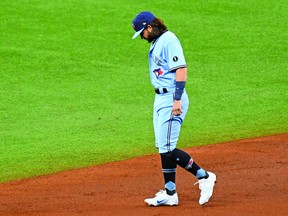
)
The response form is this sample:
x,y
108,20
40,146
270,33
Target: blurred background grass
x,y
75,89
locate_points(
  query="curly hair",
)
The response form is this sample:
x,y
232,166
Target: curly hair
x,y
158,28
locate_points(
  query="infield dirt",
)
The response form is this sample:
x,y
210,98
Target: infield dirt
x,y
252,179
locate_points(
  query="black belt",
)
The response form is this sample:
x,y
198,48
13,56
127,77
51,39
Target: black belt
x,y
157,90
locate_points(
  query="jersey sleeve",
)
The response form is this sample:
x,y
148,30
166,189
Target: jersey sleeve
x,y
174,55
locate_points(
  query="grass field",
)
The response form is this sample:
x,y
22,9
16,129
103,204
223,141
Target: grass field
x,y
75,89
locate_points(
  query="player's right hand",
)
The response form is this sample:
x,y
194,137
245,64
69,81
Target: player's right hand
x,y
177,108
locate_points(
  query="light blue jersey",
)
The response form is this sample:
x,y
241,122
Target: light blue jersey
x,y
165,57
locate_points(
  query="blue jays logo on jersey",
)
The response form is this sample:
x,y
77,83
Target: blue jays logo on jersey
x,y
158,72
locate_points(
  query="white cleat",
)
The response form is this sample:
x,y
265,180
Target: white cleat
x,y
162,198
206,186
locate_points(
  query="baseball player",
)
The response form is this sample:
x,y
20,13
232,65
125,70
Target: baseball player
x,y
168,74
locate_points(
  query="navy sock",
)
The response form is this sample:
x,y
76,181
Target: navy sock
x,y
185,161
169,172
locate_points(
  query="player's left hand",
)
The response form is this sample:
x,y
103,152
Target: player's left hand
x,y
177,108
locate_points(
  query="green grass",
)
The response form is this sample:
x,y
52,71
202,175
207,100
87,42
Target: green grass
x,y
75,90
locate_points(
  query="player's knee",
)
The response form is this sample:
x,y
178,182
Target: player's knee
x,y
167,155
